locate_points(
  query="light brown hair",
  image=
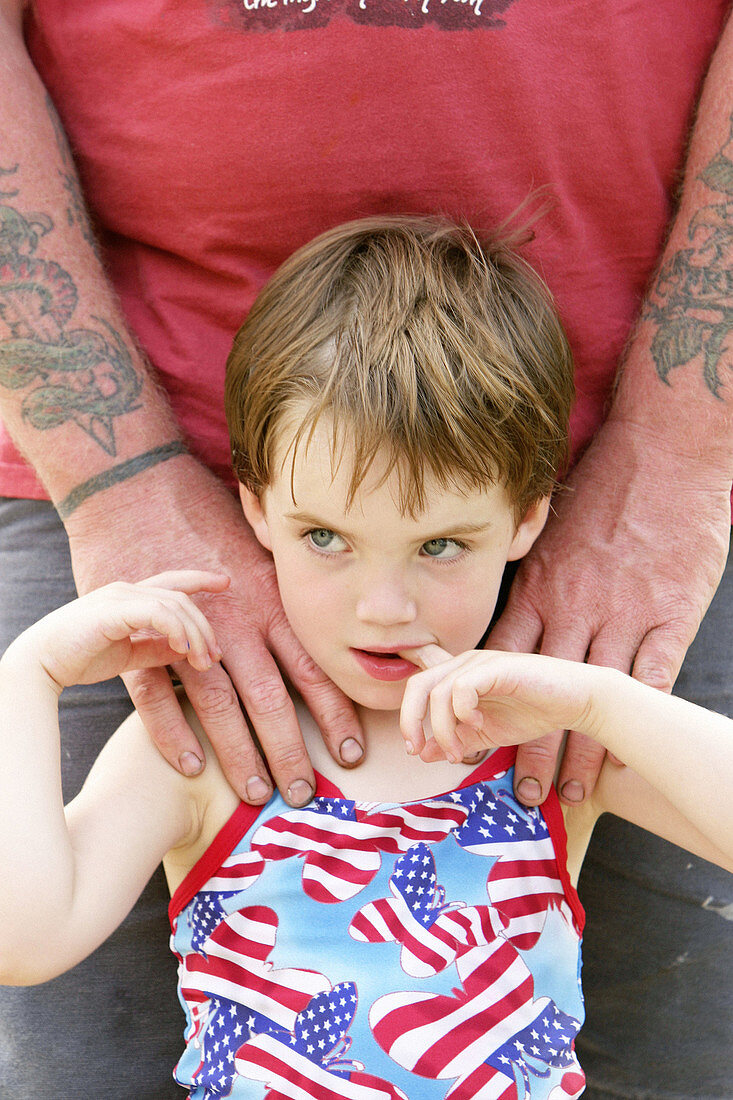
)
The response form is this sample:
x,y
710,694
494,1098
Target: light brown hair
x,y
419,341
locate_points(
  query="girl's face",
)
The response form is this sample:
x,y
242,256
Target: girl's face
x,y
359,585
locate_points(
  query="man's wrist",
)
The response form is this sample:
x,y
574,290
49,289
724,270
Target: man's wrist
x,y
148,520
684,453
123,471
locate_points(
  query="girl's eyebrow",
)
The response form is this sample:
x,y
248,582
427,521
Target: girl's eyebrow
x,y
467,529
310,520
306,517
445,532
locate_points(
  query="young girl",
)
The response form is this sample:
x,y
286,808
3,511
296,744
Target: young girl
x,y
398,404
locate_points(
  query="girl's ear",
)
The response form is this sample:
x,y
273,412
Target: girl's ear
x,y
254,513
528,529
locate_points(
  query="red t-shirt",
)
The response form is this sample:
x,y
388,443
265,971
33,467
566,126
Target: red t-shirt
x,y
214,137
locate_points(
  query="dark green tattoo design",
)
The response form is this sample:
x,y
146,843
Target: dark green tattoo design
x,y
81,375
692,299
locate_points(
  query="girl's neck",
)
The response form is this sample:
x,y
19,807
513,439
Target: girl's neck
x,y
387,774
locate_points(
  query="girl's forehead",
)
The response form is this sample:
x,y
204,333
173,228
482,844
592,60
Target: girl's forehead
x,y
335,459
313,480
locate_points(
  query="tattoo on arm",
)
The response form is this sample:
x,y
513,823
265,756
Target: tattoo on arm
x,y
692,299
76,212
116,474
80,375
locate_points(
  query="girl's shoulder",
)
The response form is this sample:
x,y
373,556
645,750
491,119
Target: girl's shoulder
x,y
212,802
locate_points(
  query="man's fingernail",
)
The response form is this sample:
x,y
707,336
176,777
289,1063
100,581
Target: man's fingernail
x,y
350,751
299,793
573,791
529,790
190,763
257,789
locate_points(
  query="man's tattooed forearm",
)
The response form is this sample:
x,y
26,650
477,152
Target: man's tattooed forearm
x,y
692,299
76,212
116,474
80,375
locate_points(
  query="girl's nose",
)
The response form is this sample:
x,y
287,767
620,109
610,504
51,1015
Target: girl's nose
x,y
386,602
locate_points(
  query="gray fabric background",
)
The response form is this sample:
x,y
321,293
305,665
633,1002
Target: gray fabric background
x,y
658,952
112,1027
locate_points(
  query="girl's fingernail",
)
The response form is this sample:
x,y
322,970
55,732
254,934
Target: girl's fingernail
x,y
409,748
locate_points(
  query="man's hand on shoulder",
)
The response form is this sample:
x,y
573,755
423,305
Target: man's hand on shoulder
x,y
178,515
621,576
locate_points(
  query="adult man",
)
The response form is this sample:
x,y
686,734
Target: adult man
x,y
213,139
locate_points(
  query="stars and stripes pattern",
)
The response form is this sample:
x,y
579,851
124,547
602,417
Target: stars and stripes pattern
x,y
237,872
480,1032
310,1061
232,963
341,844
546,1041
524,881
206,914
289,1031
416,916
226,1026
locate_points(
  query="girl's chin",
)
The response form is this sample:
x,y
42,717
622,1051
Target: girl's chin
x,y
375,696
378,708
366,690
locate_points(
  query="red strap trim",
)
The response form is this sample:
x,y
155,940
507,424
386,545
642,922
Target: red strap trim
x,y
244,817
221,846
224,844
552,812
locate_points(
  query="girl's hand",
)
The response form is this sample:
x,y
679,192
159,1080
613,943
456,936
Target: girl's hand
x,y
482,699
126,626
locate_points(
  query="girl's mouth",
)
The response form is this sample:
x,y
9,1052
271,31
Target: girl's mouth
x,y
384,666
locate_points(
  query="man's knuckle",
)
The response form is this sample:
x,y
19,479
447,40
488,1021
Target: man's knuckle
x,y
216,699
656,676
168,739
235,750
338,714
149,694
288,757
539,756
305,671
586,760
266,695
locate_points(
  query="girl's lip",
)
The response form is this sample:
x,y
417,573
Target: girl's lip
x,y
385,664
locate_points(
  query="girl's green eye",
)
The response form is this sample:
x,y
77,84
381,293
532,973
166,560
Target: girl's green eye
x,y
442,548
321,538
